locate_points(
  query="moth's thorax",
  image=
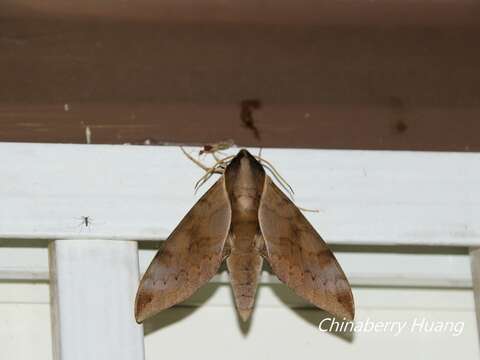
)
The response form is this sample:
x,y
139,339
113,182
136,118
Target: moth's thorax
x,y
246,190
244,180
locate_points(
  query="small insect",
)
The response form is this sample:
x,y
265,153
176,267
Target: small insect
x,y
215,148
244,219
246,115
86,221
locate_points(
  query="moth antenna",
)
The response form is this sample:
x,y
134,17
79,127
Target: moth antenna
x,y
217,159
277,175
273,170
282,181
284,186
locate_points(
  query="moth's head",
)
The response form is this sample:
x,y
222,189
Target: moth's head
x,y
244,157
244,160
244,153
256,165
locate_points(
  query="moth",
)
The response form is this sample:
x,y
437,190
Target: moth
x,y
244,219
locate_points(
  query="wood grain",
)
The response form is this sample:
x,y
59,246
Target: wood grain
x,y
387,79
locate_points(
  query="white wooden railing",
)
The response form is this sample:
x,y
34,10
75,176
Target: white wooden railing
x,y
395,218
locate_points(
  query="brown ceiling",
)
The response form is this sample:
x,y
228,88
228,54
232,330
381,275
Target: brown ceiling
x,y
361,75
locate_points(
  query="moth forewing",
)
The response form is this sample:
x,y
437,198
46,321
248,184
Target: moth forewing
x,y
299,257
190,257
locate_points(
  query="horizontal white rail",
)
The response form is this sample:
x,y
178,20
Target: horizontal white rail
x,y
362,268
141,193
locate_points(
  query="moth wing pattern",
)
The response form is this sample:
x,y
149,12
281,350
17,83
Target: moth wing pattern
x,y
299,257
190,257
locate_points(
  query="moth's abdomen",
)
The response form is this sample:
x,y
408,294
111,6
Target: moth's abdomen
x,y
244,269
244,263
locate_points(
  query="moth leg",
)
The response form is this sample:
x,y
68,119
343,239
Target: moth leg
x,y
308,210
218,168
214,170
209,171
223,162
195,161
217,149
263,251
226,251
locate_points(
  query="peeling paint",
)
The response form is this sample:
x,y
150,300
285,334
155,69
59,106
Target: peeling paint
x,y
88,134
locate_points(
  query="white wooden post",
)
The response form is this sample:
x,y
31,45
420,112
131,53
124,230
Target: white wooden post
x,y
93,284
475,266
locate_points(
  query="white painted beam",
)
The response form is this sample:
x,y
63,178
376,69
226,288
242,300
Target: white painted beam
x,y
93,285
142,193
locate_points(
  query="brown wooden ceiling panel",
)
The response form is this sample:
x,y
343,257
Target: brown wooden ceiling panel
x,y
324,81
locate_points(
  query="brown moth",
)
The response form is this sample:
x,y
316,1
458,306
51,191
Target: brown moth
x,y
244,218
